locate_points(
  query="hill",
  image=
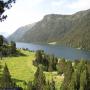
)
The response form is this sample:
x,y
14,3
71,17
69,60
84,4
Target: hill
x,y
18,34
71,30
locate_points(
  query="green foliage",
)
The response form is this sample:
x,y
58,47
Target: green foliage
x,y
67,75
83,80
76,77
22,70
61,66
5,4
52,85
8,49
13,47
40,80
38,56
1,40
6,81
49,62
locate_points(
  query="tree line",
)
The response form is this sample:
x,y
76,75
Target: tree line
x,y
76,73
49,62
8,48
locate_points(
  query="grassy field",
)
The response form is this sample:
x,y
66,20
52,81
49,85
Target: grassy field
x,y
22,69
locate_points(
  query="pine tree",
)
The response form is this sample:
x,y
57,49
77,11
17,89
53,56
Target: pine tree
x,y
50,65
47,85
1,46
6,81
61,66
1,40
13,47
29,86
83,80
39,56
67,75
52,85
40,80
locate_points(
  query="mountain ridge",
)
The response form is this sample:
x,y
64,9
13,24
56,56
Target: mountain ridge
x,y
70,30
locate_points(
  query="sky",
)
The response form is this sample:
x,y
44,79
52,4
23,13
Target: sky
x,y
26,12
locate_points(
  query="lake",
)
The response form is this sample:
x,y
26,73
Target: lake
x,y
57,50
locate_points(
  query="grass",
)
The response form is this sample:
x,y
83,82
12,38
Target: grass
x,y
57,78
22,69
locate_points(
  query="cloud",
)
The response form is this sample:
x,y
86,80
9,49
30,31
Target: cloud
x,y
70,6
57,3
79,5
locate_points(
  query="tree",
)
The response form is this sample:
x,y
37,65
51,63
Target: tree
x,y
5,4
38,56
1,45
6,81
79,80
61,66
13,47
50,66
39,80
48,85
29,86
83,80
1,40
67,75
52,85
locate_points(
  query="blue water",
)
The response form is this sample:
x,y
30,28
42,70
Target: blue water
x,y
57,50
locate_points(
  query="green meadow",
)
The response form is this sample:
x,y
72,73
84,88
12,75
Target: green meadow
x,y
22,69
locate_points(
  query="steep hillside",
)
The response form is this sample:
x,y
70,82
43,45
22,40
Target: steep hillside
x,y
72,30
79,36
51,28
18,34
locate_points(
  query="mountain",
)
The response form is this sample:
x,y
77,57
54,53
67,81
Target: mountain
x,y
71,30
19,33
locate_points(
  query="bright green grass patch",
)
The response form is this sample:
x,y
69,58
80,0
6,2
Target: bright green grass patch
x,y
22,69
57,78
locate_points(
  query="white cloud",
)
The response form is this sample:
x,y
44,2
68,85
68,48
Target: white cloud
x,y
79,5
57,3
70,6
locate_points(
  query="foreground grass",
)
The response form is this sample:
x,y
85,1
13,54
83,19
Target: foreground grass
x,y
22,70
